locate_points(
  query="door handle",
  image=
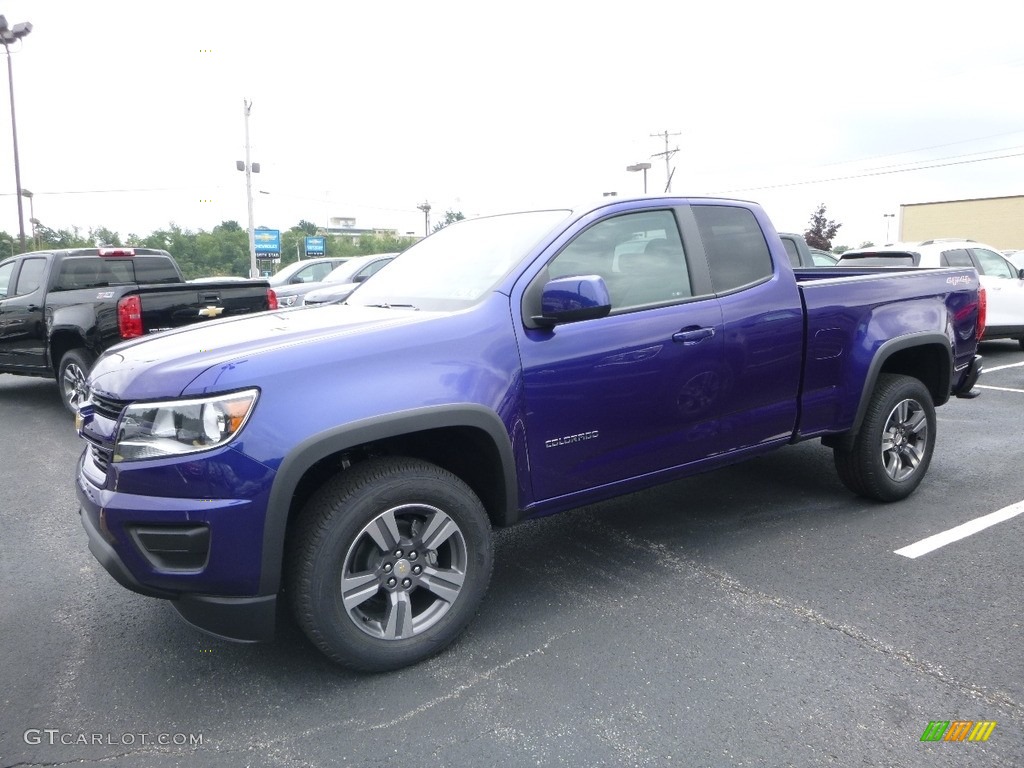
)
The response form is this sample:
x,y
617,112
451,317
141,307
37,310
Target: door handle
x,y
691,336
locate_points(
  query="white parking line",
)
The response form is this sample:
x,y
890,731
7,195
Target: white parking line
x,y
986,369
998,389
924,546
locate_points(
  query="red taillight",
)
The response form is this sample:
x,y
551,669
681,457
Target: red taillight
x,y
116,251
129,317
982,310
271,299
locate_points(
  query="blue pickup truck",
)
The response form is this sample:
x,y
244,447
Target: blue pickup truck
x,y
354,458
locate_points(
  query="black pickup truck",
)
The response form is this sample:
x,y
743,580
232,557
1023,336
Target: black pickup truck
x,y
60,309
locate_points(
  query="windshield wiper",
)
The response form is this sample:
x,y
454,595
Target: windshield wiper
x,y
386,305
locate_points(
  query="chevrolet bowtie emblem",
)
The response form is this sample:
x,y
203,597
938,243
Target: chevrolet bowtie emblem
x,y
210,311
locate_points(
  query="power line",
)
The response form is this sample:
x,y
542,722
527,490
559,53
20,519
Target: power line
x,y
874,173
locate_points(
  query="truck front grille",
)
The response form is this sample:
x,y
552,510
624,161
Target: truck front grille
x,y
107,406
100,457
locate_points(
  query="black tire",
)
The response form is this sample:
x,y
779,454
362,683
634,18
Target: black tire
x,y
889,457
415,544
71,375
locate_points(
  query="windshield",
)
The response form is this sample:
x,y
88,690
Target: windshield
x,y
456,266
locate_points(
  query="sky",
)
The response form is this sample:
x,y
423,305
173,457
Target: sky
x,y
130,115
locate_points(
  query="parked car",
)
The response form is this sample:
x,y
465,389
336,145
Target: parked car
x,y
339,285
1002,279
60,309
800,255
305,271
352,460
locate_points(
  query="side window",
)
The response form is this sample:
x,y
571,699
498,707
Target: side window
x,y
6,273
792,252
992,263
958,257
638,255
737,251
365,272
31,275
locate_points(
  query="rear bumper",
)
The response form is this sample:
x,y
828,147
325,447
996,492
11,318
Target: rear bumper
x,y
968,378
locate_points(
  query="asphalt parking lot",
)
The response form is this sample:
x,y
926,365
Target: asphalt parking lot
x,y
756,616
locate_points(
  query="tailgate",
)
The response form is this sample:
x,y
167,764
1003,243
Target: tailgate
x,y
174,306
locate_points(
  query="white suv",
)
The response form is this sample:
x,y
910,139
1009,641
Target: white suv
x,y
1003,281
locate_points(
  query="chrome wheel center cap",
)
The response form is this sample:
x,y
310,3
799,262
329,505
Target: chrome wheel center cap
x,y
402,568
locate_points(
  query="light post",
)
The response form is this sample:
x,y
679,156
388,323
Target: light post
x,y
888,219
8,36
31,216
640,167
250,168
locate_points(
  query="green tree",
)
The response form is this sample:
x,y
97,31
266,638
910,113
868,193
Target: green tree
x,y
103,236
822,230
839,250
450,217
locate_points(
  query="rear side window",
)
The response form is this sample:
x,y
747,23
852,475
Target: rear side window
x,y
737,251
958,257
792,252
31,275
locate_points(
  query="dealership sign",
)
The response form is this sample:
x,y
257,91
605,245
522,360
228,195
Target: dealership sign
x,y
316,246
267,241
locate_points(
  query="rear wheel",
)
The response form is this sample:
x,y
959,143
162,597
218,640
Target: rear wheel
x,y
890,455
71,376
388,563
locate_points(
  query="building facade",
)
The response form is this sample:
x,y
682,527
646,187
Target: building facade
x,y
996,221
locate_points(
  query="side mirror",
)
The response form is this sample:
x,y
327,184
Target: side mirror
x,y
571,299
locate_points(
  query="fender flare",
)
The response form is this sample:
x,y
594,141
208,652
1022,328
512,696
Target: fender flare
x,y
887,350
329,442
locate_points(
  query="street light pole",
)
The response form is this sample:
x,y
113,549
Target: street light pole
x,y
888,219
249,168
640,167
8,36
31,216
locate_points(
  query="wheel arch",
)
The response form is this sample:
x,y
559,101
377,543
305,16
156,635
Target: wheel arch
x,y
61,342
468,440
925,356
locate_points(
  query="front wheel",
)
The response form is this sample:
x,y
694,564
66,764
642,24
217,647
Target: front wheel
x,y
71,376
890,455
388,563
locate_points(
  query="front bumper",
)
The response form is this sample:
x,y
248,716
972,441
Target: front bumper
x,y
145,544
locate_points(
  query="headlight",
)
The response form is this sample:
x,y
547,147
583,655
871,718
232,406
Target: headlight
x,y
286,301
174,427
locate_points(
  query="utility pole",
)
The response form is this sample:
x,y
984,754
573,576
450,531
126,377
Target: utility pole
x,y
425,207
667,154
250,169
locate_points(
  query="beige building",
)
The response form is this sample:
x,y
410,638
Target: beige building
x,y
996,221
